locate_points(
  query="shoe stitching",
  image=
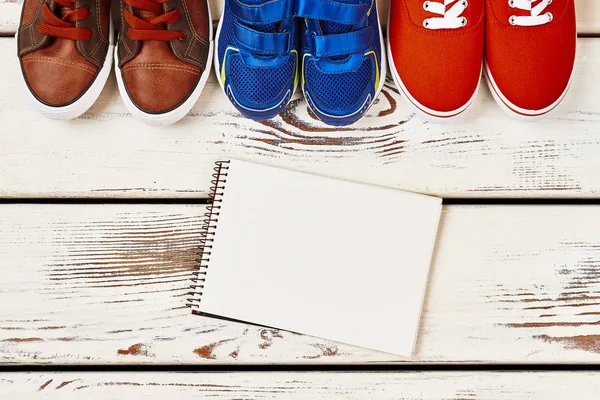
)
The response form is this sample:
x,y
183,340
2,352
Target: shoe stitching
x,y
173,48
92,53
194,36
101,41
35,16
31,39
38,11
151,64
188,52
191,25
64,63
157,67
161,69
123,33
99,19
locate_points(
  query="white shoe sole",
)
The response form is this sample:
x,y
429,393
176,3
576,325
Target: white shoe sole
x,y
216,57
178,113
82,104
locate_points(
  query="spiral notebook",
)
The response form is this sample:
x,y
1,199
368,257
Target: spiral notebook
x,y
335,259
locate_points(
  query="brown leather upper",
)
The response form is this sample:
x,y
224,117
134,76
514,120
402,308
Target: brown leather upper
x,y
127,48
58,71
99,22
29,38
160,75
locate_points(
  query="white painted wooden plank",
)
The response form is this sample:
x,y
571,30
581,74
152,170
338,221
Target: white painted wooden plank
x,y
107,153
92,284
588,14
305,385
10,13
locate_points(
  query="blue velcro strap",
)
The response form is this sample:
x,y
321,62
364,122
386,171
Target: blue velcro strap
x,y
266,13
331,10
343,43
259,42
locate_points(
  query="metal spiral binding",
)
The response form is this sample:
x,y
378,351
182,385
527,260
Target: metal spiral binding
x,y
208,231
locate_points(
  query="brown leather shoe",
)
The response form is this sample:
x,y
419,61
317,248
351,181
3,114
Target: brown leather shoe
x,y
163,57
65,51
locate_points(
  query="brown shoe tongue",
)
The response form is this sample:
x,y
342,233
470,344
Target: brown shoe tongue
x,y
60,44
143,14
61,11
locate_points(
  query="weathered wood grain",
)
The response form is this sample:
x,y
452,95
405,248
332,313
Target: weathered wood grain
x,y
10,12
588,14
305,385
90,284
107,153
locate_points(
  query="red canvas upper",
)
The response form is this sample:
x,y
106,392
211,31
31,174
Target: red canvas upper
x,y
531,65
441,68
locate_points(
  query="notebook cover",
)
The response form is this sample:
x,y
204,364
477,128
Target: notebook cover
x,y
335,259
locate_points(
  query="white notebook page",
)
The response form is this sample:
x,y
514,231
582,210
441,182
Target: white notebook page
x,y
339,260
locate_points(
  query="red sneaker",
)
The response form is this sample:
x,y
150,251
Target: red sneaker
x,y
529,55
435,50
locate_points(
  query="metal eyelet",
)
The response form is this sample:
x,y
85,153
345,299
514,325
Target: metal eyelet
x,y
184,37
426,5
511,3
511,20
465,3
550,16
426,23
464,21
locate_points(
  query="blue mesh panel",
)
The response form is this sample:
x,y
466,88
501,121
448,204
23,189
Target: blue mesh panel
x,y
260,85
339,91
333,28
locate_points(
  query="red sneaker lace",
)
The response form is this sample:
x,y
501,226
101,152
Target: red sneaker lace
x,y
64,27
151,28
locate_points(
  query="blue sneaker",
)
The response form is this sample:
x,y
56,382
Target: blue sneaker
x,y
257,55
343,66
